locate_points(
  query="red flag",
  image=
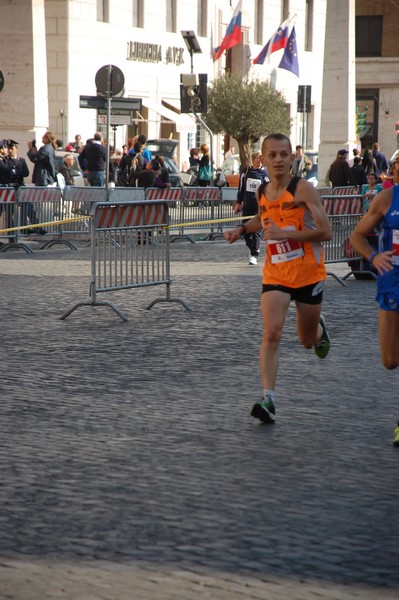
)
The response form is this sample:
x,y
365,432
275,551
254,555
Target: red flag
x,y
233,33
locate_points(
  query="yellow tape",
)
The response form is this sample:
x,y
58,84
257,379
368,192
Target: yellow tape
x,y
210,222
174,226
36,225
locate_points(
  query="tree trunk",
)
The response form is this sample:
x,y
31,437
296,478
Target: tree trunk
x,y
245,154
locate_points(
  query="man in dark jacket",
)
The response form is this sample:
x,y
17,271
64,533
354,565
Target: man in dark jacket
x,y
358,171
381,162
339,172
93,159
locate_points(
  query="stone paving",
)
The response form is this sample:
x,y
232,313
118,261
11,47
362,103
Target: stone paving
x,y
131,468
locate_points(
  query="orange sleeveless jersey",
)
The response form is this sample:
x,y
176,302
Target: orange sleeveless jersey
x,y
289,262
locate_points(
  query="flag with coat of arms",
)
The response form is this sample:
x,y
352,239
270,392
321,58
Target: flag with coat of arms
x,y
283,38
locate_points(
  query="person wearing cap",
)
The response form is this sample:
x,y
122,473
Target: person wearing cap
x,y
18,165
5,170
5,179
339,172
20,170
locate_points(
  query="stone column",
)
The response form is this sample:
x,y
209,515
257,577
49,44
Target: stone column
x,y
24,99
338,122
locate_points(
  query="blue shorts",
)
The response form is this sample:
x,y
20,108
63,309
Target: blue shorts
x,y
308,294
388,301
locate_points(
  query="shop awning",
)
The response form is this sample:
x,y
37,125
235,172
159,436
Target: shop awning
x,y
184,123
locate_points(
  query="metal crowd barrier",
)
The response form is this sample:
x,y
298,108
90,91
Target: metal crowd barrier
x,y
139,255
200,209
344,213
9,218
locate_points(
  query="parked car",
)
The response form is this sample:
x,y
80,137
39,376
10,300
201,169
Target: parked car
x,y
76,170
168,150
312,175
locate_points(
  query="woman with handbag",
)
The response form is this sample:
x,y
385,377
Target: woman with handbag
x,y
204,171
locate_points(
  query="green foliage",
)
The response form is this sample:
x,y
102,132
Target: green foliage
x,y
247,110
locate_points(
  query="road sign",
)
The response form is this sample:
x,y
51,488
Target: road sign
x,y
110,80
115,119
99,102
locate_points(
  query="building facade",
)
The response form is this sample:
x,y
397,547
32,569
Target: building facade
x,y
56,47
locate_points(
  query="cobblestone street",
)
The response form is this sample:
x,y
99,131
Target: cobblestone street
x,y
132,469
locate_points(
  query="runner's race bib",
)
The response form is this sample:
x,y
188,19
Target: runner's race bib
x,y
285,250
252,185
395,246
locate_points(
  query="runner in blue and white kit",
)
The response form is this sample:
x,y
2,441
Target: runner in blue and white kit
x,y
384,211
250,180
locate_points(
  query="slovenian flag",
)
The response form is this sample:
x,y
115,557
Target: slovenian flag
x,y
278,41
233,33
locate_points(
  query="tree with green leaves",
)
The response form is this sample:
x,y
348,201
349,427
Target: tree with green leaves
x,y
247,110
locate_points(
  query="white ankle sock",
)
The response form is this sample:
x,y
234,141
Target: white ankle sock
x,y
268,395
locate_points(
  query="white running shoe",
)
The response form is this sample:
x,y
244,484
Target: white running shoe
x,y
253,260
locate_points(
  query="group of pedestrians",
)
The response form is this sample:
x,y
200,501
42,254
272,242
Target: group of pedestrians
x,y
344,172
138,168
294,224
14,169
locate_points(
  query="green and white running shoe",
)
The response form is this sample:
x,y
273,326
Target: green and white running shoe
x,y
396,436
322,348
265,411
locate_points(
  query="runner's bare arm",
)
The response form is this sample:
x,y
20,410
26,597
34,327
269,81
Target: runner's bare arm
x,y
233,235
378,207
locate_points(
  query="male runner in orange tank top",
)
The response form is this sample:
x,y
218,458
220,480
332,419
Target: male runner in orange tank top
x,y
294,224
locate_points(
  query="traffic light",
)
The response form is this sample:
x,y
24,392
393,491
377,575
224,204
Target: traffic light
x,y
194,93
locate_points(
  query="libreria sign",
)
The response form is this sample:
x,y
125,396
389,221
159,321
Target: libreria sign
x,y
154,53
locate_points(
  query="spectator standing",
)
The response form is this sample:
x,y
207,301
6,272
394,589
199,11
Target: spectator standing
x,y
302,163
18,165
393,178
147,176
381,163
250,179
162,179
135,163
44,171
5,169
339,172
142,139
204,168
93,160
194,158
358,172
355,152
368,162
370,190
5,178
20,170
78,144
